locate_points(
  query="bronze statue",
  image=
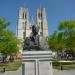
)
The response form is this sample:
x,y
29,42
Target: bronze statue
x,y
32,42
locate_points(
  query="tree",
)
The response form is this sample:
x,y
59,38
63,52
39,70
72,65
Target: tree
x,y
64,39
52,41
8,41
56,42
68,28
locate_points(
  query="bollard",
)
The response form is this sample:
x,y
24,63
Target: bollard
x,y
4,69
61,67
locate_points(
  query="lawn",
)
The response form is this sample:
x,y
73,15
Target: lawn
x,y
64,65
10,66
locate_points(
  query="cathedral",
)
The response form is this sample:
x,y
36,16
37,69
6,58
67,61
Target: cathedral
x,y
24,24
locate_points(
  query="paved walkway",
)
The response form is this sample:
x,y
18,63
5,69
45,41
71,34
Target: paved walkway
x,y
55,72
63,72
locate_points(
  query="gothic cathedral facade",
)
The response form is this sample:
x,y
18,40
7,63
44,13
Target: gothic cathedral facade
x,y
24,25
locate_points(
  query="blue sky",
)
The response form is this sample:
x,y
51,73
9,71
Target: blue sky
x,y
57,11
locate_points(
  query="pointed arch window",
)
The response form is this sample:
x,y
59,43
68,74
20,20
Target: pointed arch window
x,y
39,15
23,24
24,35
41,25
23,15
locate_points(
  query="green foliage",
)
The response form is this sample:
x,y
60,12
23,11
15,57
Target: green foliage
x,y
8,41
68,25
3,24
64,39
52,41
68,28
56,41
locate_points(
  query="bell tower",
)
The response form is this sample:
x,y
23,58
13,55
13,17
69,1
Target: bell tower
x,y
23,25
42,22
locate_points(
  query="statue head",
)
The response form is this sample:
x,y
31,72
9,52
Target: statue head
x,y
34,30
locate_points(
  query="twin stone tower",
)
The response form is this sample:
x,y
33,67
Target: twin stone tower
x,y
24,27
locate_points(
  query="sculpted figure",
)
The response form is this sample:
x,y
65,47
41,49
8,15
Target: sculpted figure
x,y
32,41
34,30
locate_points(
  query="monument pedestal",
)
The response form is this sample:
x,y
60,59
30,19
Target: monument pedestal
x,y
37,63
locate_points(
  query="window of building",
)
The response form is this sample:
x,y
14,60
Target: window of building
x,y
24,34
39,16
23,15
23,25
41,25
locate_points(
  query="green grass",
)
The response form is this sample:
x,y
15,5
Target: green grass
x,y
10,66
65,65
69,66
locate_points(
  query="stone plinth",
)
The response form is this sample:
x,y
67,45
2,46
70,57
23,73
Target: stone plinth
x,y
37,63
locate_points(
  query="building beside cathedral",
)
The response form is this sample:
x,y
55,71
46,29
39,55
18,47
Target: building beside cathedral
x,y
24,24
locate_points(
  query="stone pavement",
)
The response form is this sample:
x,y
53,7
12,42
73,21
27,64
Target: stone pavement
x,y
63,72
55,72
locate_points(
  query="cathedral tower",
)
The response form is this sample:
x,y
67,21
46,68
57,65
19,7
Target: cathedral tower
x,y
23,24
42,22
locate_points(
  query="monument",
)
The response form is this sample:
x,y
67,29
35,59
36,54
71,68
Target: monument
x,y
36,58
33,41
